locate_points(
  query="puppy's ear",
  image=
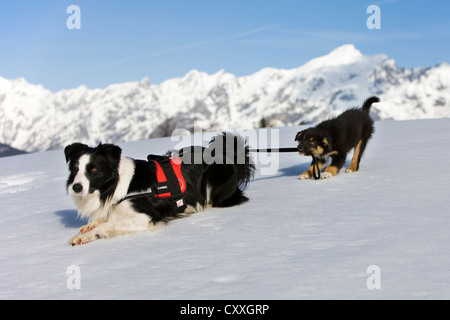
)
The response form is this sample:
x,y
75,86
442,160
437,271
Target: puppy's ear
x,y
298,135
326,141
73,150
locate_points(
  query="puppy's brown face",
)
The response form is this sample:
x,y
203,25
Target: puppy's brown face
x,y
313,141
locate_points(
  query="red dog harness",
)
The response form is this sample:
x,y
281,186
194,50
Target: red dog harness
x,y
171,183
163,184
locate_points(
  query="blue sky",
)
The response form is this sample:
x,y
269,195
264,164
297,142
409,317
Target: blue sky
x,y
123,41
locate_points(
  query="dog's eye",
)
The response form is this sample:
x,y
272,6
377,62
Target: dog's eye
x,y
76,169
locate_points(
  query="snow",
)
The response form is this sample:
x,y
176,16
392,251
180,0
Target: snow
x,y
293,240
345,54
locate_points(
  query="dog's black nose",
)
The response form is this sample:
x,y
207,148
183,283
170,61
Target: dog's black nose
x,y
300,148
77,187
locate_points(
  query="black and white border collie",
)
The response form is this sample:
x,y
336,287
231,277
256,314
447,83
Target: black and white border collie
x,y
101,178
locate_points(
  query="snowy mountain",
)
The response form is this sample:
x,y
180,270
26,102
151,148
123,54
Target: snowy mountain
x,y
33,118
6,151
387,224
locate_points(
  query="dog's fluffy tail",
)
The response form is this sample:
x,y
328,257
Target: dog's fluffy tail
x,y
368,103
235,151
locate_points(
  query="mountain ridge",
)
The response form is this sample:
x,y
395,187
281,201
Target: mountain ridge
x,y
34,118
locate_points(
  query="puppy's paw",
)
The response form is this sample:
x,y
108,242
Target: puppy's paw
x,y
351,169
305,175
327,175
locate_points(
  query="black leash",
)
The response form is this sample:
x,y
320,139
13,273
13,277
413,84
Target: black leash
x,y
316,168
316,172
274,150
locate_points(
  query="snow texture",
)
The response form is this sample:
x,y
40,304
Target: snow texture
x,y
33,118
293,240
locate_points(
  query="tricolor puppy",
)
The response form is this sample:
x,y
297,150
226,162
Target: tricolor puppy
x,y
119,195
335,138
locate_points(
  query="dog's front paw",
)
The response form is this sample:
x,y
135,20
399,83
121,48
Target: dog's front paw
x,y
305,175
90,226
87,228
84,238
351,169
327,175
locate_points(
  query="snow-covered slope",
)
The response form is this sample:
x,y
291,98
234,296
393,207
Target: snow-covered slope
x,y
293,240
35,119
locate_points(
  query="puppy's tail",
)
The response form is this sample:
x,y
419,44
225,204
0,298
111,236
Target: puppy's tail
x,y
368,103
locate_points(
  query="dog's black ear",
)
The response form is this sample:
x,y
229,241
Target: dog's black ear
x,y
73,150
111,152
